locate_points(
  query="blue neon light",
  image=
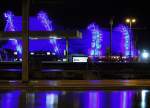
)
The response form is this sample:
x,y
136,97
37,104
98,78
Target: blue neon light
x,y
126,39
122,99
9,21
96,43
10,27
42,16
7,99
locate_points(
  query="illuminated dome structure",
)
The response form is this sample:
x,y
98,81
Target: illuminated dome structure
x,y
95,40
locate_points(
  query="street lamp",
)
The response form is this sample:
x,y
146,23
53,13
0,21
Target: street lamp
x,y
130,21
111,26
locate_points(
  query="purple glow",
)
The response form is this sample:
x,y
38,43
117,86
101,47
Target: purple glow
x,y
10,99
42,16
9,21
94,99
52,70
45,46
122,99
126,35
10,27
11,70
126,40
119,41
96,43
41,23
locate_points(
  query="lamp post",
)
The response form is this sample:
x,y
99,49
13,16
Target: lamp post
x,y
110,50
130,21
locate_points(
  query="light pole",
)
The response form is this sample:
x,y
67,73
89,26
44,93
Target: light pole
x,y
130,21
111,25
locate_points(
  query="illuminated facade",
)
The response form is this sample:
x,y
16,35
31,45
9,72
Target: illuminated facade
x,y
96,43
11,27
95,40
127,44
43,18
39,23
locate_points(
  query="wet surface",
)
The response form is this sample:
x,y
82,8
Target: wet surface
x,y
75,99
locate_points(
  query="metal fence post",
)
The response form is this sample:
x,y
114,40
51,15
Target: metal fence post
x,y
25,39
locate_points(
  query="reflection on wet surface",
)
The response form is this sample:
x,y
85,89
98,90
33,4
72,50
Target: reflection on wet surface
x,y
75,99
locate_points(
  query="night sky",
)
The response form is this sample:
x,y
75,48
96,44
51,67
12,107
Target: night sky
x,y
77,14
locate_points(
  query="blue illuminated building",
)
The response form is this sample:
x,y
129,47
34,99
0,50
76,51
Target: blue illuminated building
x,y
43,18
10,26
95,40
125,41
39,23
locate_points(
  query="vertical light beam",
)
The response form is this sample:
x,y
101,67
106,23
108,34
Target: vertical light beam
x,y
143,98
51,100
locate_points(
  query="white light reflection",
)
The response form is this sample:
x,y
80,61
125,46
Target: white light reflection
x,y
143,100
51,100
125,100
94,100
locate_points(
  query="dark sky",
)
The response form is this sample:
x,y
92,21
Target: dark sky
x,y
79,13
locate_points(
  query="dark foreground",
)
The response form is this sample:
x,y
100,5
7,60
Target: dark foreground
x,y
75,71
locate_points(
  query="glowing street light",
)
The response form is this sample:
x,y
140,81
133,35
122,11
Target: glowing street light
x,y
133,20
145,54
127,20
130,21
